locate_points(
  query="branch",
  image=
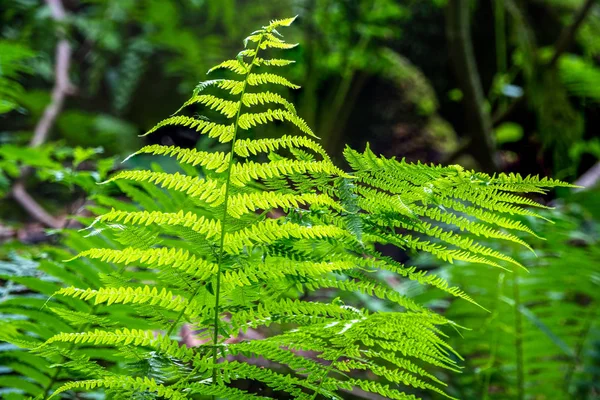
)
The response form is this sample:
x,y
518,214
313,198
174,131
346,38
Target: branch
x,y
33,208
568,33
562,44
62,84
62,88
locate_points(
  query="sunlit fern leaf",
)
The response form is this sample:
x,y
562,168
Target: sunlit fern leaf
x,y
224,133
125,383
259,237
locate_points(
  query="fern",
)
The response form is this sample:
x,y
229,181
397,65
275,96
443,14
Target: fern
x,y
243,242
541,324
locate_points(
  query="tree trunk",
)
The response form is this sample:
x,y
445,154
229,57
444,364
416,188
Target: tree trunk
x,y
482,145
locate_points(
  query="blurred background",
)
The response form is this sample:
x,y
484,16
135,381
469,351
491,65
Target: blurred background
x,y
493,85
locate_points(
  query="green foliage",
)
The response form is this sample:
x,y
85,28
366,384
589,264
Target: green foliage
x,y
581,77
13,57
538,339
72,167
240,241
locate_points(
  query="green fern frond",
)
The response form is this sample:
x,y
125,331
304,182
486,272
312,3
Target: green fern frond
x,y
273,62
209,227
305,312
215,161
266,78
210,191
246,147
126,337
269,231
124,383
243,173
140,295
263,98
226,107
276,23
223,133
179,259
276,45
223,392
373,290
247,121
237,66
246,240
250,202
77,318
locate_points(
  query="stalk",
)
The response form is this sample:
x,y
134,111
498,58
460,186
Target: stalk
x,y
224,217
223,225
518,337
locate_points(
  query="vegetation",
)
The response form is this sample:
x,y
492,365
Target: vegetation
x,y
256,264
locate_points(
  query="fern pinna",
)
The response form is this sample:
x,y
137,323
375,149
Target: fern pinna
x,y
254,237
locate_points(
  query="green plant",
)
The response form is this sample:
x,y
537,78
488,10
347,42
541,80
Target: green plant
x,y
245,251
537,339
13,57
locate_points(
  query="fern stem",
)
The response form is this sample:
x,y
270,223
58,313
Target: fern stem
x,y
224,217
518,337
223,220
494,343
327,371
583,335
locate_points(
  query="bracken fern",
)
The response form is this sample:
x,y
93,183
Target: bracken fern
x,y
247,238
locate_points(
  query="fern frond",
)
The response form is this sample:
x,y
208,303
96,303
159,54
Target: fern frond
x,y
179,259
303,312
277,45
374,290
273,62
248,120
126,337
226,107
141,295
78,318
269,231
206,84
124,383
223,392
237,66
276,23
243,173
245,147
262,98
244,203
210,191
216,161
223,133
266,77
209,227
244,241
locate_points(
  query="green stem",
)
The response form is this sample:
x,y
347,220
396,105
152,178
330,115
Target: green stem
x,y
495,334
518,337
224,218
579,347
327,371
